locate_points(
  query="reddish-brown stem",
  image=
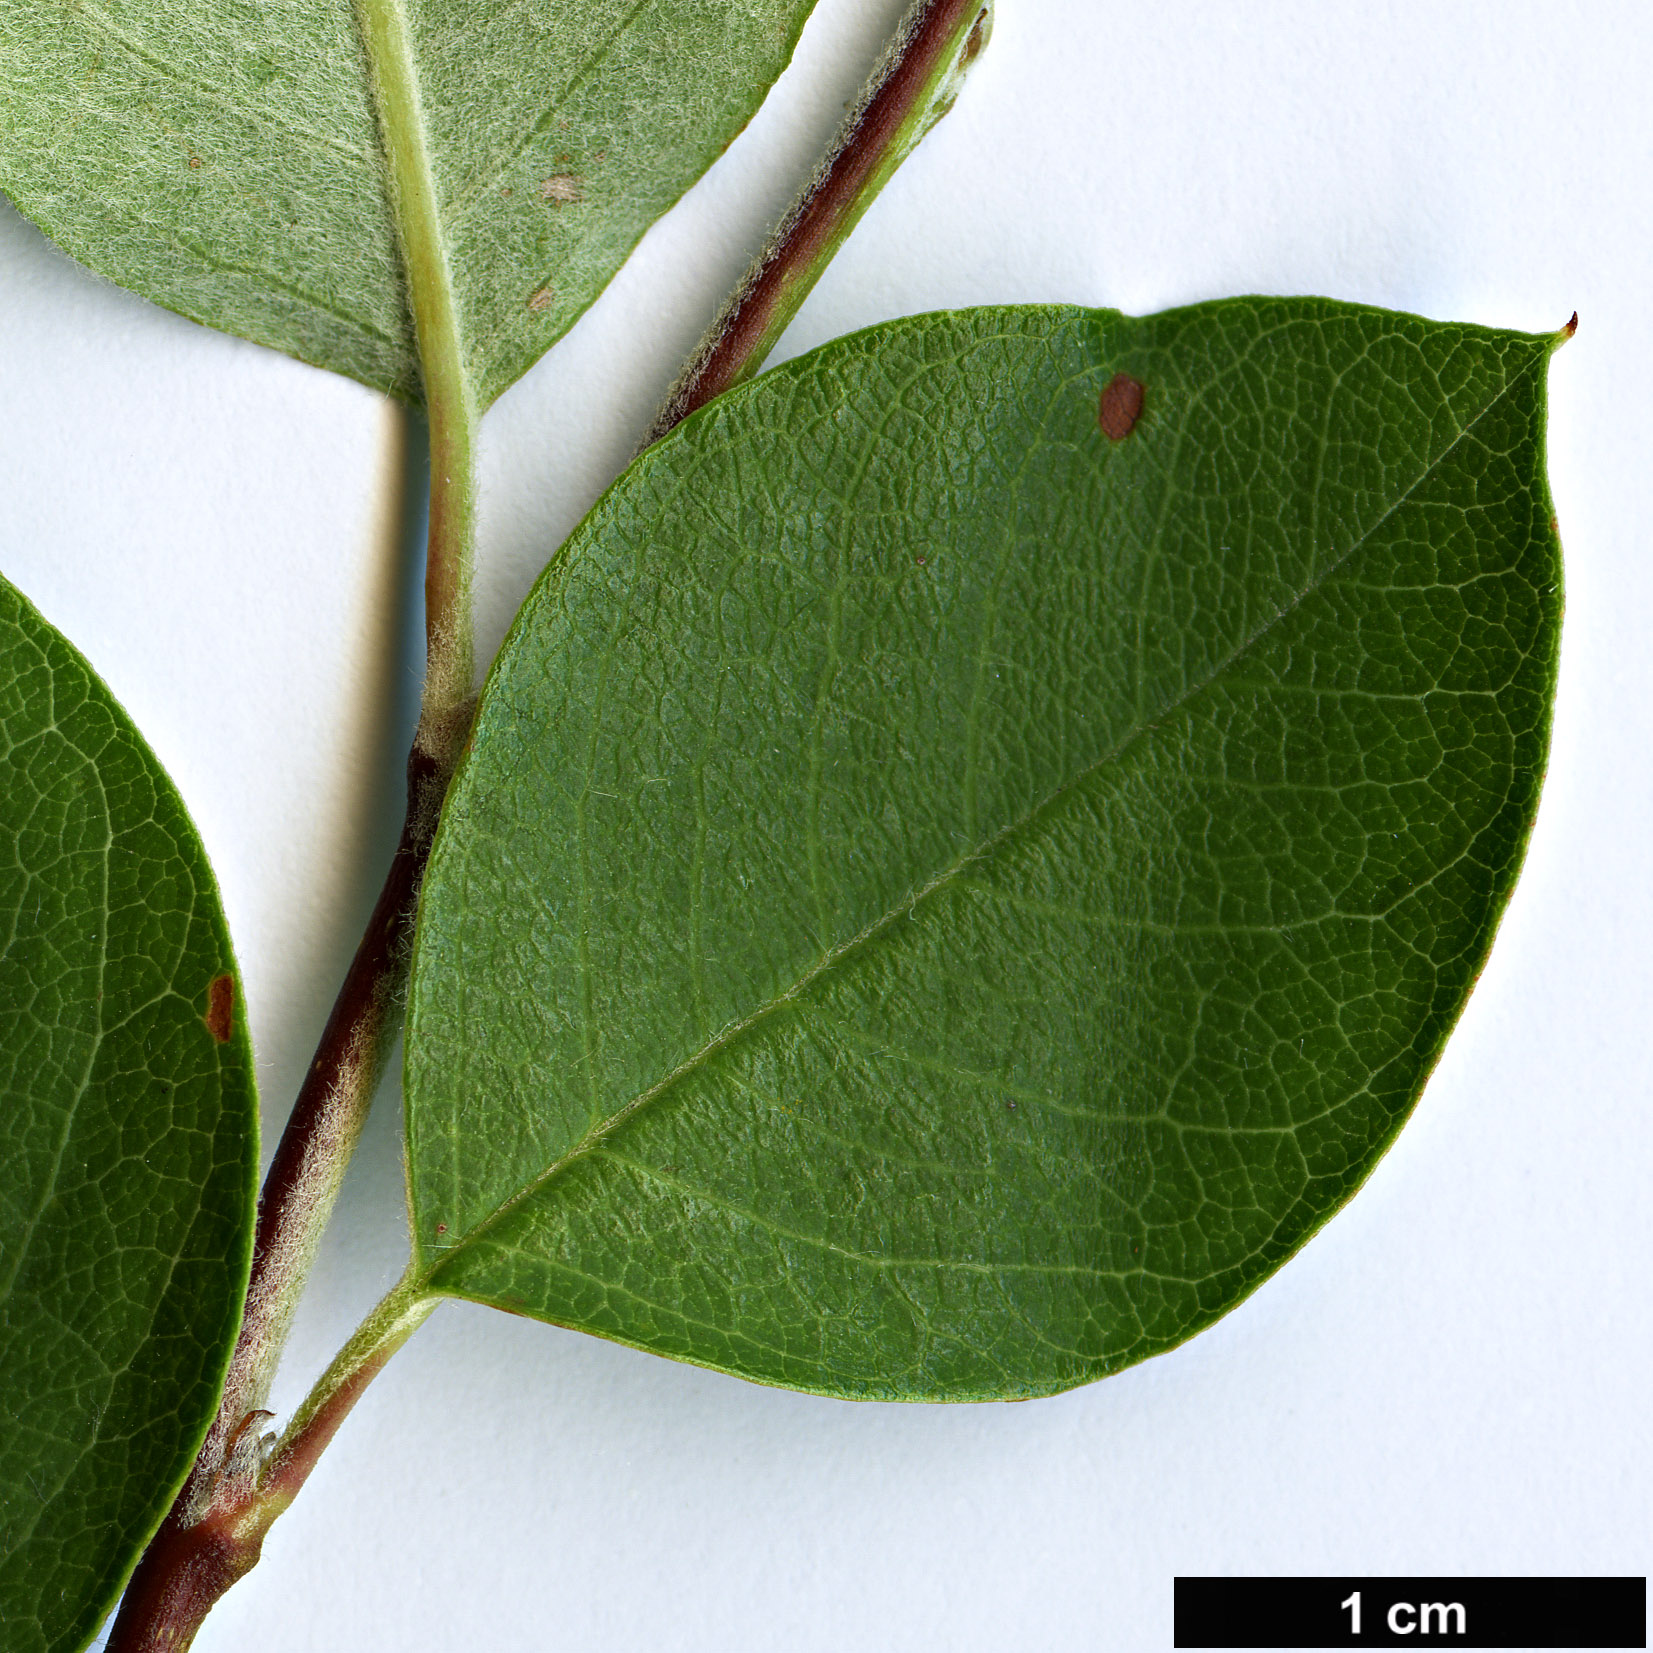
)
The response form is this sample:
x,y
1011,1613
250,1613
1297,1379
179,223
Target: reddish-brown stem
x,y
193,1561
215,1530
328,1116
184,1572
224,1486
912,88
360,1027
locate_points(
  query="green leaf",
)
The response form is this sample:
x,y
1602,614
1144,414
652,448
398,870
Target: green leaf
x,y
227,159
128,1141
963,866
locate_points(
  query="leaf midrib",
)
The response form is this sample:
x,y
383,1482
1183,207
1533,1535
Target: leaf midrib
x,y
416,209
600,1132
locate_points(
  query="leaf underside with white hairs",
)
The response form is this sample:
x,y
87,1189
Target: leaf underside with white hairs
x,y
227,160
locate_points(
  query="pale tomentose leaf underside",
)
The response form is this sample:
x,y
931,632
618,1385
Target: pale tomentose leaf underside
x,y
227,160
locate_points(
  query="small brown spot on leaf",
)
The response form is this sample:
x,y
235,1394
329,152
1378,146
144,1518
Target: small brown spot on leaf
x,y
220,1016
978,39
195,163
441,1228
561,188
1555,526
542,298
1121,407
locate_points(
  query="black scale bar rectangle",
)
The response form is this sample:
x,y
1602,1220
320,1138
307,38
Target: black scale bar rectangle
x,y
1411,1612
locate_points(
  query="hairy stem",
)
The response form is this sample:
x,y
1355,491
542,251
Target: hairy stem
x,y
449,397
206,1542
215,1530
332,1106
321,1134
915,84
333,1102
398,1316
190,1565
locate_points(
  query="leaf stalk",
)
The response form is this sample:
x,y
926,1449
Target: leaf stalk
x,y
215,1530
190,1564
205,1537
450,400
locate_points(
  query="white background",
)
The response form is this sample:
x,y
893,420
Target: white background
x,y
1452,1378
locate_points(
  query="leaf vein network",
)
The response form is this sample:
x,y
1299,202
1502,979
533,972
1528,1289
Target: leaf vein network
x,y
604,1128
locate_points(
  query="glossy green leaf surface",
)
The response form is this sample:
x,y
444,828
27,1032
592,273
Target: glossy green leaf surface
x,y
227,160
946,897
128,1141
